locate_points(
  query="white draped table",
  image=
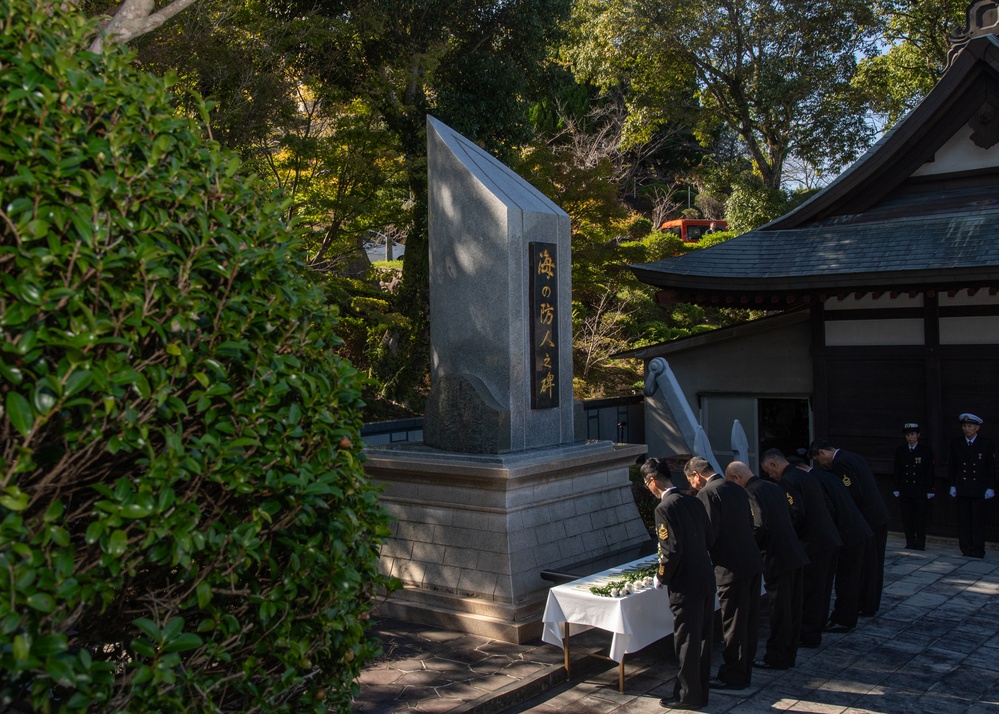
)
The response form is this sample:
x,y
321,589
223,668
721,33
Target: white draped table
x,y
635,620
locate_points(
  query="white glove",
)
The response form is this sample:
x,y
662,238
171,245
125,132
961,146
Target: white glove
x,y
658,583
989,493
953,491
929,496
895,494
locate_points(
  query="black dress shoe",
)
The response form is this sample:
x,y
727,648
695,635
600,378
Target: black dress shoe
x,y
674,703
810,644
837,629
719,684
760,664
868,613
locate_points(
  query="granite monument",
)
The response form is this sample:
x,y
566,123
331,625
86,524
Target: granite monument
x,y
502,486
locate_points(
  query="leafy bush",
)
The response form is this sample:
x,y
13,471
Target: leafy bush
x,y
638,227
660,246
644,500
710,239
184,521
753,204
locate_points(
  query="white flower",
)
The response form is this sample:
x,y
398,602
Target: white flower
x,y
615,593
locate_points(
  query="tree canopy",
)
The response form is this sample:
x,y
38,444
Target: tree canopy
x,y
776,73
915,33
618,109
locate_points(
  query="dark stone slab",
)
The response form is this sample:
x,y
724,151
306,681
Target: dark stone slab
x,y
463,416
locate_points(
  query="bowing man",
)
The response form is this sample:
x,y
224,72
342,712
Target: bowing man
x,y
783,560
685,569
738,570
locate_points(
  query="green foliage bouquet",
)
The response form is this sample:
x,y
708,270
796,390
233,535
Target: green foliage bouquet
x,y
184,521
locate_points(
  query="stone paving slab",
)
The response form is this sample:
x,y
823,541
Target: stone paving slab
x,y
932,647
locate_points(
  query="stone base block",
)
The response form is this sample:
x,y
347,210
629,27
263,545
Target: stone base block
x,y
472,533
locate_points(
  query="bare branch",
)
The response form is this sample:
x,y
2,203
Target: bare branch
x,y
600,334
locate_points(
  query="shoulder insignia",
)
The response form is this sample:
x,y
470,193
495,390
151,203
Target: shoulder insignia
x,y
847,482
790,499
663,533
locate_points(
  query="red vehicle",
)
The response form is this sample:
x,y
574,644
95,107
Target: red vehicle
x,y
690,230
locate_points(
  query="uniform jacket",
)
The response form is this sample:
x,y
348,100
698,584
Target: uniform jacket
x,y
683,531
733,547
779,545
819,530
913,470
972,469
850,522
859,480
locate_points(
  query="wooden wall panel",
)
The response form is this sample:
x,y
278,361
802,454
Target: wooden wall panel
x,y
871,392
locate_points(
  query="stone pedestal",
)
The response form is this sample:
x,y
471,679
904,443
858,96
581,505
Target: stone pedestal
x,y
473,532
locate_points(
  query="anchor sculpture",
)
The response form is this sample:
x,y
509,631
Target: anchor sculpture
x,y
660,378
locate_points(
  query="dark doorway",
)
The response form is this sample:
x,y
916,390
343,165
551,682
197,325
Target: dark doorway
x,y
784,425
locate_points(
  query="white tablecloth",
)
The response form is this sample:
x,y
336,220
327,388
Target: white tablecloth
x,y
635,620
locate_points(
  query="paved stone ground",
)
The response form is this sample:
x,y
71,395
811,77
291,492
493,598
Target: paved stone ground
x,y
933,647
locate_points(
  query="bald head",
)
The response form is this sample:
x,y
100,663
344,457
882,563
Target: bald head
x,y
738,472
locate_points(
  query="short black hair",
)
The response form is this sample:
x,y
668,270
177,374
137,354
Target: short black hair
x,y
657,469
819,445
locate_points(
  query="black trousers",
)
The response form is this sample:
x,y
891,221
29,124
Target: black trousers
x,y
784,596
740,617
693,619
817,580
872,580
913,510
849,566
971,526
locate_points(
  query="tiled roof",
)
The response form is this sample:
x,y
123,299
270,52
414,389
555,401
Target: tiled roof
x,y
962,239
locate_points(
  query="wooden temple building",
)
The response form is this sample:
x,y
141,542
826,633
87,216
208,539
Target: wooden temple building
x,y
882,291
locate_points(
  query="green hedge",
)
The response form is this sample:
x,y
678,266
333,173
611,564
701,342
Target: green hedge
x,y
184,521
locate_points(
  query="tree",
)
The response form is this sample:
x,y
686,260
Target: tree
x,y
915,33
776,73
342,173
185,525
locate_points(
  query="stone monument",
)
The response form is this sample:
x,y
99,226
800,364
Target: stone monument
x,y
502,487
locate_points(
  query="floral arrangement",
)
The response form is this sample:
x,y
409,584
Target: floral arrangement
x,y
629,582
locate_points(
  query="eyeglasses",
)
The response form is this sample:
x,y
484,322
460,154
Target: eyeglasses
x,y
648,481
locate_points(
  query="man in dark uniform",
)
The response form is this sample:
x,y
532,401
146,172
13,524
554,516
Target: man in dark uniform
x,y
859,480
685,569
818,533
972,470
783,560
913,485
738,570
856,536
